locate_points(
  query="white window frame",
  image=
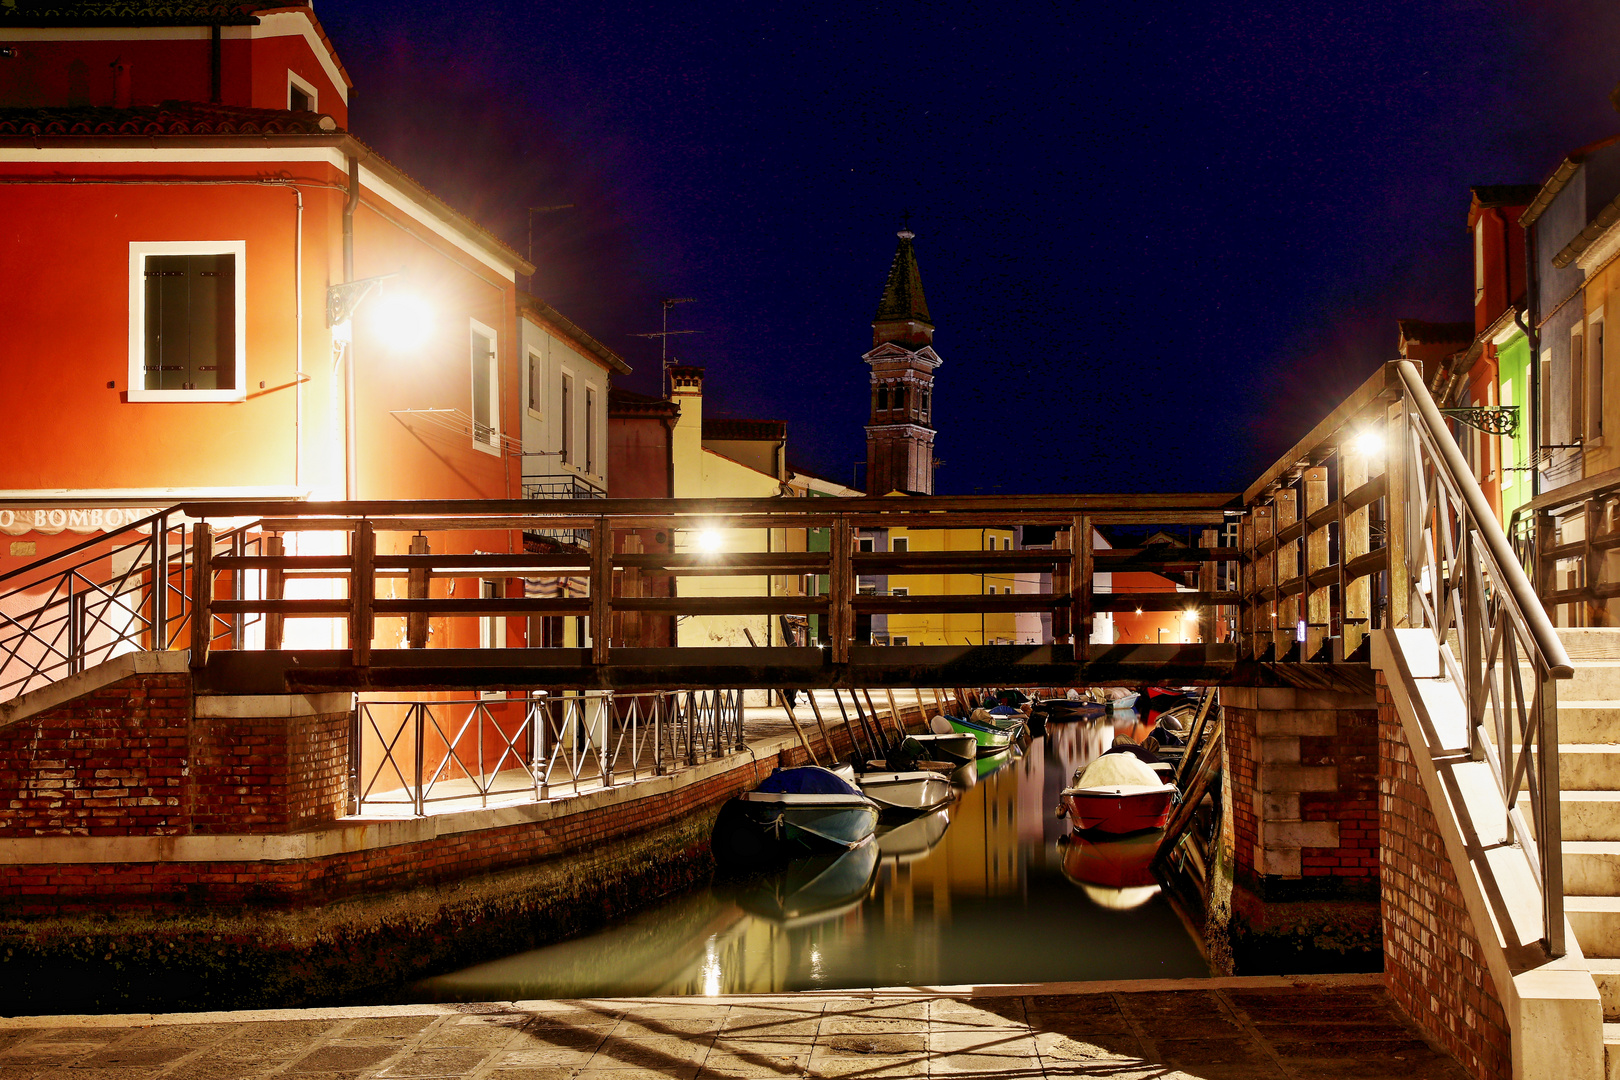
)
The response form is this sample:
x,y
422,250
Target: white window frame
x,y
1593,369
900,544
565,410
900,640
1479,258
306,87
476,329
138,251
900,590
1577,383
590,431
535,372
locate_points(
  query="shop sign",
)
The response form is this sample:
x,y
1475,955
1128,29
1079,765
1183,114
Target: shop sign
x,y
79,519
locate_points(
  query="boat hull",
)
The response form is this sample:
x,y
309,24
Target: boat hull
x,y
986,742
813,826
912,792
1118,810
958,746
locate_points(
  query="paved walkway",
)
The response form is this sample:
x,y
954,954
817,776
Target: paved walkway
x,y
1230,1029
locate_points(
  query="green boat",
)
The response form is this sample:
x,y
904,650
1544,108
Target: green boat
x,y
990,740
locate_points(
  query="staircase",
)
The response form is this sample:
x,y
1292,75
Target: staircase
x,y
1589,772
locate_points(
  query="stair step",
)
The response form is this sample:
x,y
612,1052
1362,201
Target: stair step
x,y
1596,922
1606,973
1591,868
1588,766
1588,721
1585,815
1595,680
1591,642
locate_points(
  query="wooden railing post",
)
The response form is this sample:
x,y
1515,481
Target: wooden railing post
x,y
1355,540
202,592
1398,464
362,593
1081,584
1318,602
601,590
275,589
160,583
1285,560
841,590
416,588
1063,586
1208,573
1249,610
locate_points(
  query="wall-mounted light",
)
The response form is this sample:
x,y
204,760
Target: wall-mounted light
x,y
1369,443
708,541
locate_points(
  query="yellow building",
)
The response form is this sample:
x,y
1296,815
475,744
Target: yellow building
x,y
944,629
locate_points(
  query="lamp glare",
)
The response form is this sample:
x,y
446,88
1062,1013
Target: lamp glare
x,y
1369,443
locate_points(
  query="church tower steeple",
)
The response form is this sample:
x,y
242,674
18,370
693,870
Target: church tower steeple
x,y
900,433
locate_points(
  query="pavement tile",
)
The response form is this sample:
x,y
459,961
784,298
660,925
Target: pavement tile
x,y
147,1057
397,1026
570,1038
618,1053
21,1072
1081,1025
1212,1026
986,1065
867,1066
766,1027
640,1026
489,1036
994,1043
212,1067
1431,1066
871,1025
557,1057
578,1019
1057,1046
722,1063
445,1061
179,1035
788,1044
860,1045
335,1058
1005,1012
1410,1049
1177,1004
1189,1052
528,1072
635,1072
51,1051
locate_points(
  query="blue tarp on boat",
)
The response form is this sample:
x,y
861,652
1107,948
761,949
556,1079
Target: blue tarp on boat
x,y
806,780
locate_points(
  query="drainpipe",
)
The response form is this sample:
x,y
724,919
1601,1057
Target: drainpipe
x,y
351,471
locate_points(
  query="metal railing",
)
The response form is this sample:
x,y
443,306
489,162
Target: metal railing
x,y
418,756
561,487
1468,586
124,591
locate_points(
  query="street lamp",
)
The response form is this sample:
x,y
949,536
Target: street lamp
x,y
404,321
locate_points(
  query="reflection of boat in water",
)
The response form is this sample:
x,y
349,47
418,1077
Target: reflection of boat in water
x,y
813,889
993,763
1115,871
915,838
1118,793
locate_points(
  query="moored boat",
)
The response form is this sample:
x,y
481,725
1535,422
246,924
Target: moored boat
x,y
1118,793
914,792
951,746
814,888
806,809
988,740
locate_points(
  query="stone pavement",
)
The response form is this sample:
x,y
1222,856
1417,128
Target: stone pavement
x,y
1221,1029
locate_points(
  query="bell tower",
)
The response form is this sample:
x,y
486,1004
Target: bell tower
x,y
900,433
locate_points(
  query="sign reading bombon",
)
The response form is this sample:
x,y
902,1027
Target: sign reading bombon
x,y
81,519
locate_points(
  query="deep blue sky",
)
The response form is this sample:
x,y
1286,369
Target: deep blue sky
x,y
1159,241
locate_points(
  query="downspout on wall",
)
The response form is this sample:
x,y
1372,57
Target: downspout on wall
x,y
351,470
1527,321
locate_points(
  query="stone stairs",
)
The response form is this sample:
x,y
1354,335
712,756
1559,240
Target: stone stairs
x,y
1589,772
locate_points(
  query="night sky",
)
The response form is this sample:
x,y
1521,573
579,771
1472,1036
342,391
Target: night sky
x,y
1159,241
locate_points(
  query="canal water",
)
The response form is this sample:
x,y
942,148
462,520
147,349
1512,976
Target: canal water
x,y
992,889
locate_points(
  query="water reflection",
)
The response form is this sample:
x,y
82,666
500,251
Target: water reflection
x,y
990,889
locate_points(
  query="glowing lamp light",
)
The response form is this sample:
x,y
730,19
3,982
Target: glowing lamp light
x,y
402,320
1190,613
1369,443
708,541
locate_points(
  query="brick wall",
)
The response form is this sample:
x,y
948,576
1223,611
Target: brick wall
x,y
1432,962
254,774
111,763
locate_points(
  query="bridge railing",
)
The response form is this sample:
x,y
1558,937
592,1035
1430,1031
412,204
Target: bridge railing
x,y
1375,520
1496,643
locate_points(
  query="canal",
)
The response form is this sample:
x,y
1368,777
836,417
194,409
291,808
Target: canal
x,y
992,889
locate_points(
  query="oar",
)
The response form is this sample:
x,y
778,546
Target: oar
x,y
879,722
854,742
826,739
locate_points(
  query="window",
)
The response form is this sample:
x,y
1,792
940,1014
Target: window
x,y
590,429
1594,380
900,639
1544,401
902,543
566,402
1006,543
534,381
865,543
900,398
922,408
301,94
187,321
883,399
900,591
486,421
1479,259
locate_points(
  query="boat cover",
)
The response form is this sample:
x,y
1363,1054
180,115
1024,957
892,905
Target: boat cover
x,y
1119,770
979,724
806,780
1005,710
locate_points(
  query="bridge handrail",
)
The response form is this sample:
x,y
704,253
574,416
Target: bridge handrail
x,y
1465,579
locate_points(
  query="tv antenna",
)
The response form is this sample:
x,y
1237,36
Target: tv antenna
x,y
663,337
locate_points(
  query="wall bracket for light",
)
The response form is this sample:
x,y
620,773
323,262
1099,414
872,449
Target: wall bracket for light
x,y
1493,420
345,296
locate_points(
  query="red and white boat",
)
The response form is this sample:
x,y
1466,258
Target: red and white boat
x,y
1118,793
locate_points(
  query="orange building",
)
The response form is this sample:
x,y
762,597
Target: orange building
x,y
214,291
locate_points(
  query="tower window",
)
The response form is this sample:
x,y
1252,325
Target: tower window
x,y
883,399
900,398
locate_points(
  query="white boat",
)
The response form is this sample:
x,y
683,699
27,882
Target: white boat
x,y
913,792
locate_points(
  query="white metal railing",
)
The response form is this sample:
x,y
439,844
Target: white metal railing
x,y
417,756
1469,586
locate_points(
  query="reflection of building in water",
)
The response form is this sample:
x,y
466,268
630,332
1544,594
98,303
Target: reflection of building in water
x,y
1077,745
979,857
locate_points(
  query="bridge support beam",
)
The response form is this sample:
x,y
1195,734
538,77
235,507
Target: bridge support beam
x,y
1301,853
